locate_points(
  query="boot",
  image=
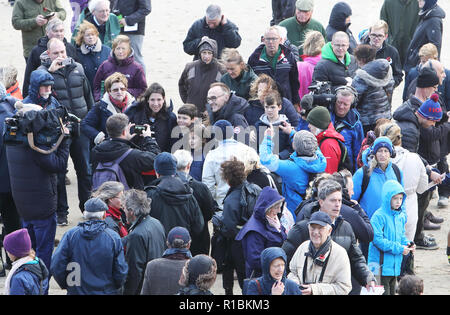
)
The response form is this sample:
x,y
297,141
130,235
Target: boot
x,y
434,219
428,225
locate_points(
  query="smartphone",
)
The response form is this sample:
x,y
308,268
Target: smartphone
x,y
66,62
48,16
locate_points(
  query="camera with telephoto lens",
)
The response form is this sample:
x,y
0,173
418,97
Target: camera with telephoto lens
x,y
320,94
72,123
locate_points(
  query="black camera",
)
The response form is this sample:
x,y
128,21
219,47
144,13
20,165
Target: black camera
x,y
72,123
320,87
139,129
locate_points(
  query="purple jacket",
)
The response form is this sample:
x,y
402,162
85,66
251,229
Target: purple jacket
x,y
137,83
257,235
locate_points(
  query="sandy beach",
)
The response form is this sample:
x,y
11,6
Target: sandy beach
x,y
166,28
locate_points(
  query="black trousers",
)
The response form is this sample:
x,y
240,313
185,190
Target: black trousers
x,y
423,202
234,260
10,216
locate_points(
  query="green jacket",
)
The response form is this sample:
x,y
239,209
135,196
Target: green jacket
x,y
240,88
24,19
112,28
296,31
401,30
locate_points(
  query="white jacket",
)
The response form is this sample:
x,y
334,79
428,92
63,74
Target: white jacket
x,y
212,175
415,180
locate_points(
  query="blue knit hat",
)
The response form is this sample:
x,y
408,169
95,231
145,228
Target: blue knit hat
x,y
431,109
226,130
382,142
165,164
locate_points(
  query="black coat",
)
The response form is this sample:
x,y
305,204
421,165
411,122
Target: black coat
x,y
336,23
139,160
34,60
174,204
233,111
429,30
409,124
134,11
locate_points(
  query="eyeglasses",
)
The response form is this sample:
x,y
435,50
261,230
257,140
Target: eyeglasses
x,y
340,45
377,36
271,39
212,99
119,89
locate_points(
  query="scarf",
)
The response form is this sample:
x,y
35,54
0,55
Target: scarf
x,y
90,48
117,217
274,222
15,266
120,105
320,252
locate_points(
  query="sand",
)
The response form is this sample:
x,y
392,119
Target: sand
x,y
166,28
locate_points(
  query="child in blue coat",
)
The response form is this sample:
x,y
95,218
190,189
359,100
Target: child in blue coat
x,y
389,243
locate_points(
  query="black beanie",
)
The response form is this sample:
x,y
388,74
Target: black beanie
x,y
427,78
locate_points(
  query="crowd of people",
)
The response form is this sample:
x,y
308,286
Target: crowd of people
x,y
295,159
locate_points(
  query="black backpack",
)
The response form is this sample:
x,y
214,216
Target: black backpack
x,y
249,195
345,161
366,178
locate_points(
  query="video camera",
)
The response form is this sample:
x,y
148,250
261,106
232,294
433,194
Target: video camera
x,y
320,94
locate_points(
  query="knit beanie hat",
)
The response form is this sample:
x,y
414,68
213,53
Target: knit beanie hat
x,y
319,117
205,46
431,109
304,5
95,205
427,78
223,130
199,265
304,143
382,142
165,164
18,243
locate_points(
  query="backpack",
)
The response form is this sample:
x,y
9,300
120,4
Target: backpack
x,y
344,161
249,195
366,178
110,171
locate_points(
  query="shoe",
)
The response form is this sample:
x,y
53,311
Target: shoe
x,y
428,225
62,221
67,180
430,238
442,202
434,219
425,243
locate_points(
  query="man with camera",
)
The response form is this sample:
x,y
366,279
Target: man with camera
x,y
139,160
73,91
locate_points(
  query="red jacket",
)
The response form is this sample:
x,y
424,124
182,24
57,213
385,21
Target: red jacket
x,y
330,148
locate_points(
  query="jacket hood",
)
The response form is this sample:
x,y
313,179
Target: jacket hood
x,y
281,118
328,53
36,78
36,267
110,149
90,229
434,12
338,15
350,120
174,191
330,133
406,112
212,43
266,199
312,164
390,189
377,73
267,256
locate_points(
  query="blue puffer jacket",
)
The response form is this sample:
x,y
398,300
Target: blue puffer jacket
x,y
266,281
99,253
30,279
294,173
352,130
36,78
257,234
389,229
371,200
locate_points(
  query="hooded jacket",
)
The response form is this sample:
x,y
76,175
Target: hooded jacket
x,y
240,86
226,36
232,111
30,279
285,72
134,72
351,128
71,88
139,160
389,229
329,146
255,109
36,78
340,12
329,68
173,204
257,234
429,30
34,60
409,123
98,252
197,76
266,281
375,85
294,172
401,30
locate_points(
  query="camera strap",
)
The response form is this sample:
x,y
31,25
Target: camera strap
x,y
30,138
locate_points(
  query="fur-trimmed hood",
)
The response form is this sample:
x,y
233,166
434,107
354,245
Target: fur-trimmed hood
x,y
377,73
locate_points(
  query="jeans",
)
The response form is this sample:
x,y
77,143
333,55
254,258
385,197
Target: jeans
x,y
79,152
136,44
42,235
